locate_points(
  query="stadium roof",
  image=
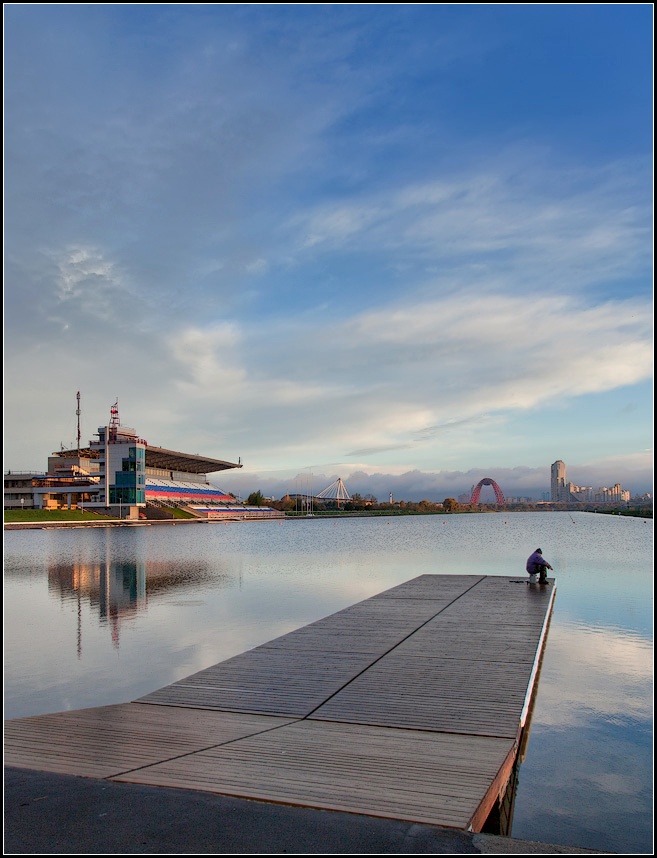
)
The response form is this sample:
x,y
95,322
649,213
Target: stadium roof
x,y
158,457
168,460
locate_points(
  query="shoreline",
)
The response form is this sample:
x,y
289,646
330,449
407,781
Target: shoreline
x,y
48,525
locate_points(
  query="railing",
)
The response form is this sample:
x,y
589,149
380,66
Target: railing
x,y
64,483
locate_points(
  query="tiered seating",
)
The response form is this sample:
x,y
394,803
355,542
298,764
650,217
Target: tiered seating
x,y
219,507
231,510
189,493
202,499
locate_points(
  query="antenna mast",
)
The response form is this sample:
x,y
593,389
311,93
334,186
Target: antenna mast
x,y
77,411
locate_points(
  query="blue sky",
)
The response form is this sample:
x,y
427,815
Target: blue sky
x,y
408,245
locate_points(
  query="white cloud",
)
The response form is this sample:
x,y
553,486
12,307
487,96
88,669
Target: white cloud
x,y
405,382
426,358
208,359
540,225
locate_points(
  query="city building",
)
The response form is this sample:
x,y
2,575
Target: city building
x,y
18,489
122,475
566,492
558,489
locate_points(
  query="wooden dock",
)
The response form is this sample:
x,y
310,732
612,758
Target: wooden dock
x,y
409,705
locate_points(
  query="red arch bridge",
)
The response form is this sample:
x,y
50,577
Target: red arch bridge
x,y
487,481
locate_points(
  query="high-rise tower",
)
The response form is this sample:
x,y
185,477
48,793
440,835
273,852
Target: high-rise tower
x,y
558,490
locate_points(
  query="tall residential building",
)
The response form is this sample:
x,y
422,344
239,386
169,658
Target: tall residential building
x,y
558,488
563,492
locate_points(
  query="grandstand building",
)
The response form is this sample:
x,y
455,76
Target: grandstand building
x,y
122,475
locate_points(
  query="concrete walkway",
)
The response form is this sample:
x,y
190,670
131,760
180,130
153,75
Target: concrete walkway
x,y
52,814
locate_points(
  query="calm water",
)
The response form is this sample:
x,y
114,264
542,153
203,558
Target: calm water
x,y
101,616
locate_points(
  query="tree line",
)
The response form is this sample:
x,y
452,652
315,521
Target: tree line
x,y
369,503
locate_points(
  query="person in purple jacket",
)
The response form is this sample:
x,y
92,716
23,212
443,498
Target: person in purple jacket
x,y
536,563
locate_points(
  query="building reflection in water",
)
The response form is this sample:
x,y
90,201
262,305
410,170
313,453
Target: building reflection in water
x,y
119,590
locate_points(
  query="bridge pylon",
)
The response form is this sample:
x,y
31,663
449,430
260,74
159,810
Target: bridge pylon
x,y
337,491
487,481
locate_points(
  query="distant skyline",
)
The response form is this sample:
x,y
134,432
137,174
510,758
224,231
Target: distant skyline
x,y
405,244
414,485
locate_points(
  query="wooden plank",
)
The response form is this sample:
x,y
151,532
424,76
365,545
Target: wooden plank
x,y
266,681
428,586
407,705
398,774
103,741
295,673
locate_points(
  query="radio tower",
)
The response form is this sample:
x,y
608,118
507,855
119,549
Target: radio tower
x,y
77,411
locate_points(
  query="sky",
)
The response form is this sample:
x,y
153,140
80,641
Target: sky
x,y
408,245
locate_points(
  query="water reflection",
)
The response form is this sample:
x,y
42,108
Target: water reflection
x,y
114,590
177,600
119,590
